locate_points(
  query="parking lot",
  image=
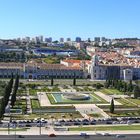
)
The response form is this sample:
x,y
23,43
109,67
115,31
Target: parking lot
x,y
69,122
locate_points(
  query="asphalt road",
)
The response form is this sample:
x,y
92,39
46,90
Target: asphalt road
x,y
72,137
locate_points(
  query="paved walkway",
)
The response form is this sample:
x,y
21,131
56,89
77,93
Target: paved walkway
x,y
90,109
29,107
43,99
119,96
107,97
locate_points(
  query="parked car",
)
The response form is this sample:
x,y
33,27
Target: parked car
x,y
57,124
52,135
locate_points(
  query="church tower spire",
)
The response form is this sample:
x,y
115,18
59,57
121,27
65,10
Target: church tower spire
x,y
95,60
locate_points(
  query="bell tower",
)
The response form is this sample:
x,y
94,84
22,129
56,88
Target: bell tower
x,y
95,60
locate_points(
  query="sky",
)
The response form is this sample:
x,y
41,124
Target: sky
x,y
69,18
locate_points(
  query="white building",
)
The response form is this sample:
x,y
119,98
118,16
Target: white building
x,y
32,70
107,71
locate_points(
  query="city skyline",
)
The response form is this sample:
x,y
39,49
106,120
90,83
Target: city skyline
x,y
56,19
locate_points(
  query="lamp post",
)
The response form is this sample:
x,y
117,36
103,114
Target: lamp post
x,y
40,115
15,131
8,108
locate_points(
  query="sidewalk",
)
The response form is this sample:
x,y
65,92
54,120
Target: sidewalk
x,y
43,99
45,131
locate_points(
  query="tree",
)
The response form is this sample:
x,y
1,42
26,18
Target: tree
x,y
52,82
99,86
112,106
130,86
10,84
106,84
74,80
8,90
124,87
2,107
136,91
118,85
4,101
115,83
13,99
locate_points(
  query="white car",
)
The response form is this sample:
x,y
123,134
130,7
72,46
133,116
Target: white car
x,y
120,136
83,134
106,134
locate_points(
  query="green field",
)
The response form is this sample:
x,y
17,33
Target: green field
x,y
106,128
2,88
95,115
136,101
51,60
110,91
72,115
124,113
32,92
21,104
35,103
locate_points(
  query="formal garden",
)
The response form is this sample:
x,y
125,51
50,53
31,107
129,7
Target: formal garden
x,y
62,102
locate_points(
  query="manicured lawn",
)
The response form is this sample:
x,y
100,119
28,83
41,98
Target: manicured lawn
x,y
135,113
110,91
51,60
33,92
72,115
20,104
107,128
60,107
125,102
2,87
21,92
84,88
50,97
78,89
137,101
95,115
35,104
55,89
102,101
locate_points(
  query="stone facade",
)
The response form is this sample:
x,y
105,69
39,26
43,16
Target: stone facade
x,y
106,71
39,71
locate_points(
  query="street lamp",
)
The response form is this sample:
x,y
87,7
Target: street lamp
x,y
15,130
40,115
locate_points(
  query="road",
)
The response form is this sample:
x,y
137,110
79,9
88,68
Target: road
x,y
70,137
